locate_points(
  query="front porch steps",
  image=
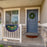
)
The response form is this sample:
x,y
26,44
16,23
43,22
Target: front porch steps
x,y
26,42
6,44
35,41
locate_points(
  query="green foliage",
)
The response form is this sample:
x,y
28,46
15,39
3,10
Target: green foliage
x,y
0,22
1,45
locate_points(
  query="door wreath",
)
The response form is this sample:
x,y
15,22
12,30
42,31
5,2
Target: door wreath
x,y
31,15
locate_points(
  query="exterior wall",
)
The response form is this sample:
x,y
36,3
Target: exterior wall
x,y
22,16
44,12
22,21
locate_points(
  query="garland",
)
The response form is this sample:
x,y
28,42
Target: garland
x,y
31,17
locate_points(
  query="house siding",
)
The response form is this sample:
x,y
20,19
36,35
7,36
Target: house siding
x,y
22,16
22,21
44,12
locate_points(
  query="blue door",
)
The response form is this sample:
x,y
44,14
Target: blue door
x,y
32,21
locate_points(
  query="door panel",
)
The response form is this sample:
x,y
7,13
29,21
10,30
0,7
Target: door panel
x,y
32,24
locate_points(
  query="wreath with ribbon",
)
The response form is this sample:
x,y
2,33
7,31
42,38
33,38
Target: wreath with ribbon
x,y
31,15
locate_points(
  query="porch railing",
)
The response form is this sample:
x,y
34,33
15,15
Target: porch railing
x,y
44,33
17,35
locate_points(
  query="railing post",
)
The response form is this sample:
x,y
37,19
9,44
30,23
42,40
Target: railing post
x,y
43,34
45,39
0,32
20,33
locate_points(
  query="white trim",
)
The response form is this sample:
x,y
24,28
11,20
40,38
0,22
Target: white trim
x,y
1,16
1,34
11,10
20,33
11,38
29,9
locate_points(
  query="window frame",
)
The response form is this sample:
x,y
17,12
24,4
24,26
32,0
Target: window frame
x,y
12,10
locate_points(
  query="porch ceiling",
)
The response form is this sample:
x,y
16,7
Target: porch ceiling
x,y
17,3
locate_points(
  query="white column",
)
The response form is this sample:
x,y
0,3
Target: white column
x,y
0,31
20,33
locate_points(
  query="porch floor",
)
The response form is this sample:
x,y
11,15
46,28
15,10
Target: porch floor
x,y
35,42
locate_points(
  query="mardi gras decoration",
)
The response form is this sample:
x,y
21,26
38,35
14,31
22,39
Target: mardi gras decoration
x,y
11,28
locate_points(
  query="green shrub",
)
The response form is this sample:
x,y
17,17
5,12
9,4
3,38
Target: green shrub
x,y
1,45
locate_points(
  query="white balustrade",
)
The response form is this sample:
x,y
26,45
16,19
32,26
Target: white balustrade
x,y
44,32
17,35
0,31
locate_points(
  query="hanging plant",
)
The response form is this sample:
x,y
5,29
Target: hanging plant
x,y
31,15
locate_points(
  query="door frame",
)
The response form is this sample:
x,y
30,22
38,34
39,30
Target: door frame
x,y
11,10
29,9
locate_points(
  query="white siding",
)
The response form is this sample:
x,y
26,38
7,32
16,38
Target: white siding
x,y
44,12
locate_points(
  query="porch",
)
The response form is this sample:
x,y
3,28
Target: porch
x,y
10,39
25,42
10,9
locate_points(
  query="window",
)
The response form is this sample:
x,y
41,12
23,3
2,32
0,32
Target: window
x,y
12,17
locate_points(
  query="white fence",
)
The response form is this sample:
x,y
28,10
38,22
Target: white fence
x,y
17,35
